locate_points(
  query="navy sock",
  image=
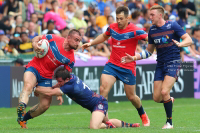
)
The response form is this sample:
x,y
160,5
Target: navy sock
x,y
27,116
23,104
168,110
140,111
124,124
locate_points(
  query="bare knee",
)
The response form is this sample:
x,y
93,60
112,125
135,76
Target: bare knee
x,y
28,87
104,90
131,97
93,126
156,99
164,93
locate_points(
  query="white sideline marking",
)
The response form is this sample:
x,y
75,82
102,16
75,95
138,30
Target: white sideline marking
x,y
149,108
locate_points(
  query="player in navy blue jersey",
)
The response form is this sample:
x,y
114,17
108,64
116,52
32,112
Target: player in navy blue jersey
x,y
165,37
78,91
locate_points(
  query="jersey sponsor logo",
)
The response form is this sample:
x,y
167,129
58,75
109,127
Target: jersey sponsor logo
x,y
118,43
119,46
100,106
169,26
157,41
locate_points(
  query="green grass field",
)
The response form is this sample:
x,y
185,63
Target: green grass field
x,y
75,119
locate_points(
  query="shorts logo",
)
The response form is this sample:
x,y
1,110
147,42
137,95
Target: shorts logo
x,y
100,106
106,71
126,79
47,82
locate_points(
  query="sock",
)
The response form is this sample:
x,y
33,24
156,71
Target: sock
x,y
124,124
140,111
168,110
27,116
23,104
108,126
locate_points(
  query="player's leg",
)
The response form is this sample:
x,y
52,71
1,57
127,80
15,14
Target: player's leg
x,y
29,83
157,97
166,87
96,120
135,100
118,123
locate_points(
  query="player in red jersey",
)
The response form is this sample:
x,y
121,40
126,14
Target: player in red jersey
x,y
40,71
125,36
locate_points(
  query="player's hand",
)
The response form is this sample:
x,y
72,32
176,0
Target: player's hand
x,y
36,94
126,59
37,48
59,98
176,42
86,45
56,86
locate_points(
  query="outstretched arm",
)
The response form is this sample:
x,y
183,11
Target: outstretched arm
x,y
187,41
49,92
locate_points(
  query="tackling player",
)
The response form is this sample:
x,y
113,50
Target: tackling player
x,y
125,36
78,91
40,71
165,36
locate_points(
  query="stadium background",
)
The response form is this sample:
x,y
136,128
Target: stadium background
x,y
16,50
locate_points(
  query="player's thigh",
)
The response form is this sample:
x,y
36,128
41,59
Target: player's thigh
x,y
29,80
107,81
44,100
96,119
157,89
168,83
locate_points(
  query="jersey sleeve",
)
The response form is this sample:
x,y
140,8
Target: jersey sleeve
x,y
108,31
67,88
140,34
150,40
178,30
47,17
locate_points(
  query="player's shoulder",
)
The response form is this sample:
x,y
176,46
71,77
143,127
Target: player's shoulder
x,y
152,29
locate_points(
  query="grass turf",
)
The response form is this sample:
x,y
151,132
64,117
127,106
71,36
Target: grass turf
x,y
75,119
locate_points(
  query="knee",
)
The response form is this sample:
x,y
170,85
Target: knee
x,y
45,107
28,87
156,99
131,97
164,92
103,90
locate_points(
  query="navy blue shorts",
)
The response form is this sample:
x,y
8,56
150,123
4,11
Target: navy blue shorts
x,y
125,75
40,80
171,68
101,106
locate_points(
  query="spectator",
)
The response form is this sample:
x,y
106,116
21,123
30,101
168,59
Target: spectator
x,y
58,21
111,4
160,2
137,5
50,27
84,38
13,8
5,25
18,21
46,6
92,11
23,29
29,9
17,37
11,48
173,5
78,21
110,21
135,17
145,19
71,11
196,40
185,8
32,32
34,19
102,20
64,32
18,62
101,6
26,24
93,30
59,11
26,46
150,4
18,29
101,50
81,6
3,39
118,3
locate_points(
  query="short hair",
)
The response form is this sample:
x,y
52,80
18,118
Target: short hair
x,y
73,31
110,16
123,9
159,9
61,72
33,14
23,33
195,30
135,14
53,1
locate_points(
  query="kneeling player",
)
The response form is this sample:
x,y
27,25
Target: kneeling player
x,y
78,91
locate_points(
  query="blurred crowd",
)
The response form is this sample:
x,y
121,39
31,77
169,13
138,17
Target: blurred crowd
x,y
22,20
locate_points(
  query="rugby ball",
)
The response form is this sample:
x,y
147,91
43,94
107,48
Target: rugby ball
x,y
45,46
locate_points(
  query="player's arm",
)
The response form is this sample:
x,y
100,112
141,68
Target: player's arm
x,y
187,41
49,92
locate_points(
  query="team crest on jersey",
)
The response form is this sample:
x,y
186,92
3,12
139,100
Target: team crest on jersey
x,y
169,26
118,43
100,106
126,36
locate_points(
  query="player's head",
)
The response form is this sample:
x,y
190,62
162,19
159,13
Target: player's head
x,y
62,75
157,14
122,16
74,38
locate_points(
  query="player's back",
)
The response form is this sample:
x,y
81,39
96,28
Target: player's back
x,y
55,57
124,41
162,38
78,91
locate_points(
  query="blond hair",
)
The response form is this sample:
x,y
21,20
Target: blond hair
x,y
159,8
